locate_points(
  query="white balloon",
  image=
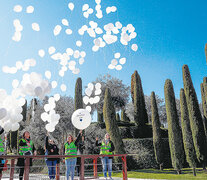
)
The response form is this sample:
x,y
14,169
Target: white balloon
x,y
71,6
68,31
48,74
117,55
41,53
47,107
97,42
15,83
98,86
85,7
22,101
38,91
69,51
44,116
96,99
15,126
88,108
50,127
110,66
57,97
30,9
16,22
19,65
122,61
81,119
76,71
118,67
86,100
7,126
17,8
133,35
78,43
118,25
51,50
65,22
81,61
113,9
108,10
98,30
83,54
3,113
54,84
91,86
98,1
98,92
95,48
57,30
86,14
35,27
91,100
134,47
114,62
63,87
72,63
90,11
76,54
88,92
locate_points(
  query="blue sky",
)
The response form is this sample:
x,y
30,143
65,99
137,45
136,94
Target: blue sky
x,y
170,33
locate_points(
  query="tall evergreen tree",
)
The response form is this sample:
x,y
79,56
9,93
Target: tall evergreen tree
x,y
140,112
100,117
174,130
195,117
187,134
78,98
157,138
204,106
111,124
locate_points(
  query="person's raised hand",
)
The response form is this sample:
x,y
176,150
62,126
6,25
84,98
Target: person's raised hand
x,y
96,138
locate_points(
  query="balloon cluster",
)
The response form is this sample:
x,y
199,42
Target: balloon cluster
x,y
50,115
18,29
34,85
86,10
114,63
10,111
20,66
18,9
58,28
92,100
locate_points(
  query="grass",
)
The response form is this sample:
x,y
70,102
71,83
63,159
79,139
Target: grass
x,y
165,174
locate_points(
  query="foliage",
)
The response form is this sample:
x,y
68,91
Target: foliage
x,y
204,103
195,117
124,117
118,117
174,131
111,124
157,138
140,113
119,92
78,94
186,132
100,117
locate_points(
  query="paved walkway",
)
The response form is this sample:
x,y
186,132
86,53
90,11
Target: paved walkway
x,y
45,177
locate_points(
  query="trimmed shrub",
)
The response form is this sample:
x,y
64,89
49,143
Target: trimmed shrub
x,y
187,134
195,117
157,138
174,131
204,103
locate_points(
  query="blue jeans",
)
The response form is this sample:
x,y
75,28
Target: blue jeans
x,y
70,167
107,164
51,168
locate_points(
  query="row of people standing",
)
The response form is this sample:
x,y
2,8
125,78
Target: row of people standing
x,y
71,147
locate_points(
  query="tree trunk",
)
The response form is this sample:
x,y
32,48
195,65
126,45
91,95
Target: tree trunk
x,y
194,171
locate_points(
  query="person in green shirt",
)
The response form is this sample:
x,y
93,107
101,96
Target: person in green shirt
x,y
70,148
106,148
26,147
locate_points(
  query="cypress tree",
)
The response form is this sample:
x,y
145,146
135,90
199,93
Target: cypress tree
x,y
157,138
78,98
117,117
174,131
100,117
124,117
111,124
187,134
195,117
140,112
204,107
78,94
206,51
132,86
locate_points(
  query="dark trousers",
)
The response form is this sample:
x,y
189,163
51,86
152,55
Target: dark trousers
x,y
78,166
21,173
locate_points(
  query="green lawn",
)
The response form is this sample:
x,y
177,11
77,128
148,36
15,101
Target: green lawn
x,y
165,174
